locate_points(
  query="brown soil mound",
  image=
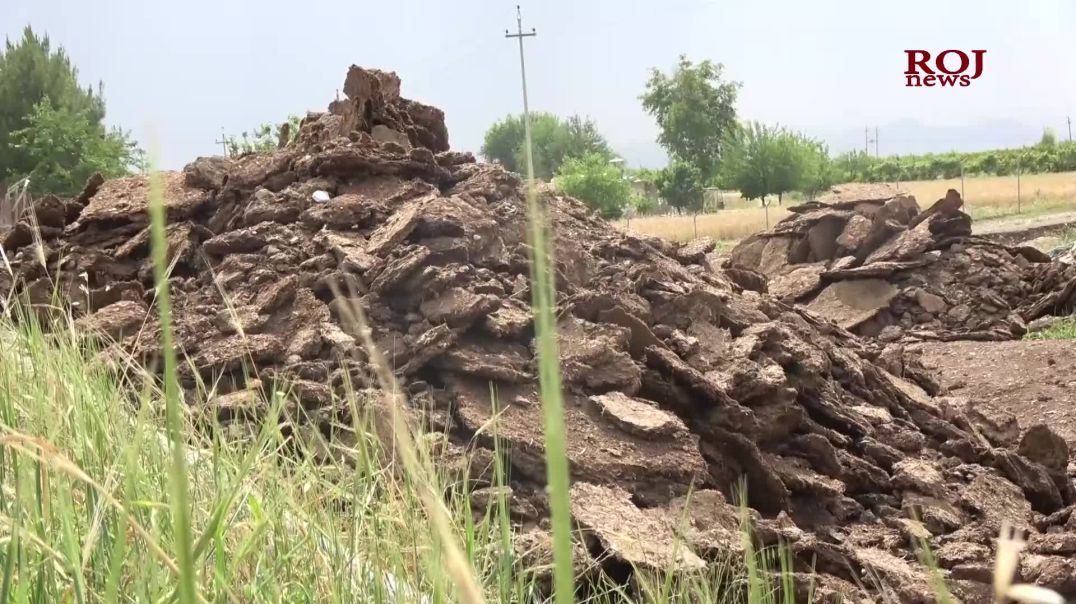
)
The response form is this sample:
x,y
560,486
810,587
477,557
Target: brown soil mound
x,y
678,382
880,267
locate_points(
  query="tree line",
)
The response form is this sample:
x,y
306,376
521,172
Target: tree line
x,y
708,146
694,106
1048,155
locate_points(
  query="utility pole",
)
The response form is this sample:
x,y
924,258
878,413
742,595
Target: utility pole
x,y
867,140
519,35
1068,119
223,142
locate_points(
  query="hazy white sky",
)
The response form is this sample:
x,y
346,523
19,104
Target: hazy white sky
x,y
828,67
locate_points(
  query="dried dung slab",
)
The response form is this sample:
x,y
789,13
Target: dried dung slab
x,y
851,303
127,199
798,283
637,416
643,538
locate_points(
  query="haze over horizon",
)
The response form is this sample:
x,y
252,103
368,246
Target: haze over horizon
x,y
826,68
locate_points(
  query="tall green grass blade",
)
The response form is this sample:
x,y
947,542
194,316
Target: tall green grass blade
x,y
180,496
543,295
9,566
115,564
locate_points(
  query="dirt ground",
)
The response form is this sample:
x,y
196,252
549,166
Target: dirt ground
x,y
1035,379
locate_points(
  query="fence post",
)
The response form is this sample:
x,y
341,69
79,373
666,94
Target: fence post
x,y
962,182
695,223
1019,169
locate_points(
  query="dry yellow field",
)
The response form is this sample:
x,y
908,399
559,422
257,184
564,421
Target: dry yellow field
x,y
984,197
730,224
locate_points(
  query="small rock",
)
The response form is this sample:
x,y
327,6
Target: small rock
x,y
931,303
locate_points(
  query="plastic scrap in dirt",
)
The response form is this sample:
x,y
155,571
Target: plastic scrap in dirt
x,y
679,380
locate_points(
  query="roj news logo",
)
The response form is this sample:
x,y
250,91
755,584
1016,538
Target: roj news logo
x,y
947,68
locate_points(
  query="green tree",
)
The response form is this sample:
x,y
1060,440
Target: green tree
x,y
65,147
582,138
51,129
503,139
853,166
751,165
1049,138
262,139
803,165
774,161
695,110
681,186
553,140
820,171
642,205
548,140
595,182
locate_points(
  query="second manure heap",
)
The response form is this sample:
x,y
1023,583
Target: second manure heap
x,y
881,267
675,378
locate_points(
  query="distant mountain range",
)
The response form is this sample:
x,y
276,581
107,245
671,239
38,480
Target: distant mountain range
x,y
900,137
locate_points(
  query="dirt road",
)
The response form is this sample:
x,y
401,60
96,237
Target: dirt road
x,y
1014,224
1035,380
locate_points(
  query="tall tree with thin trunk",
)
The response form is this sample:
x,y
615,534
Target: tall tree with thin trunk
x,y
694,106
